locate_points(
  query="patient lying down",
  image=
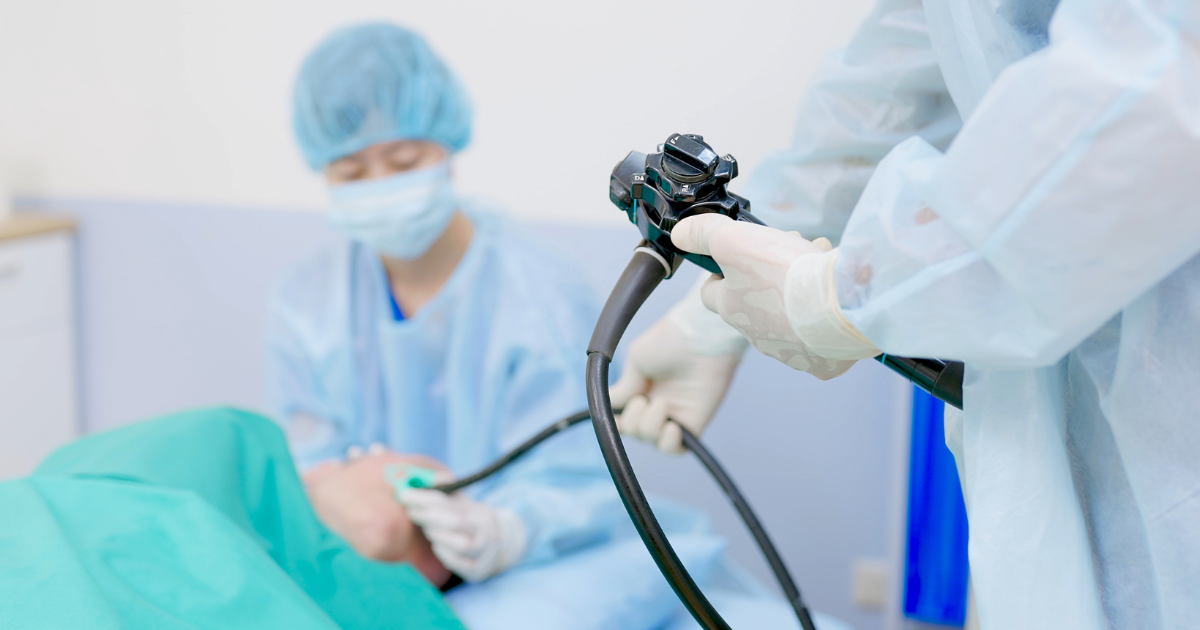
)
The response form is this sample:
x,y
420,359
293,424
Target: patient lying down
x,y
199,520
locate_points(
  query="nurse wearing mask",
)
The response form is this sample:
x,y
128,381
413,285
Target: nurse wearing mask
x,y
434,329
1011,183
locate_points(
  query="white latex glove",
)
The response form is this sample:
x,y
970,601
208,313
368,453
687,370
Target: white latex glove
x,y
474,540
680,368
778,290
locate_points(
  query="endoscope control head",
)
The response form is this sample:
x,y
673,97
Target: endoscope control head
x,y
683,178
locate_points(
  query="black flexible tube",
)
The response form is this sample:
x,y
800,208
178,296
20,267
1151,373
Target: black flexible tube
x,y
782,575
641,276
513,455
637,282
635,501
693,444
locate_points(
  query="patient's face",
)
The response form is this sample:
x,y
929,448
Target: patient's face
x,y
384,159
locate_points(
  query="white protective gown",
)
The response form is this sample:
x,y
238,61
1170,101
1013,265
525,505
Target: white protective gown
x,y
1051,243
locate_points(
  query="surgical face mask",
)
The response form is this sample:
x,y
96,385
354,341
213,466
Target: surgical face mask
x,y
399,216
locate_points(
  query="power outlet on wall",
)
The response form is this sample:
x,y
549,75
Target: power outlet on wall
x,y
869,583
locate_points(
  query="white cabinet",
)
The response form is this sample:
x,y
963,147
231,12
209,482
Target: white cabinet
x,y
38,391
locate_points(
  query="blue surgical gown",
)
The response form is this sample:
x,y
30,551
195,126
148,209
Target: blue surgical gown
x,y
495,357
1013,184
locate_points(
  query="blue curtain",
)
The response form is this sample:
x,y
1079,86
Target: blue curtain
x,y
935,586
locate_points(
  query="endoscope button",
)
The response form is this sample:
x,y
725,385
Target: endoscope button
x,y
733,170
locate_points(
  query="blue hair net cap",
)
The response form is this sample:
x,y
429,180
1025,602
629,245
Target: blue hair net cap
x,y
375,83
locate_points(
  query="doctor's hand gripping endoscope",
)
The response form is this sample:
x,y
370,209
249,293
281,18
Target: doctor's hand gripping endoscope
x,y
685,177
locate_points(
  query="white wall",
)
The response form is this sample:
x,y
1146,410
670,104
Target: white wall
x,y
189,101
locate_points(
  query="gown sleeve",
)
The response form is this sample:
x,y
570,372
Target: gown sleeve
x,y
561,491
1069,192
883,88
294,387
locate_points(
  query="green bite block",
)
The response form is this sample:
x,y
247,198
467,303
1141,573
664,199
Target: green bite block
x,y
404,478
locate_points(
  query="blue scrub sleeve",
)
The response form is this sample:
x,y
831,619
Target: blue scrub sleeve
x,y
1069,192
313,430
882,89
194,520
561,491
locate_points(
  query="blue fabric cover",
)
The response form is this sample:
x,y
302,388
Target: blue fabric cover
x,y
195,520
936,569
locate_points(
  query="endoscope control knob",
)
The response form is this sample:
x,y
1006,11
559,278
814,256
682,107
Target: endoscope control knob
x,y
688,158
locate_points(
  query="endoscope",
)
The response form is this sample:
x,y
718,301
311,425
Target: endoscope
x,y
684,177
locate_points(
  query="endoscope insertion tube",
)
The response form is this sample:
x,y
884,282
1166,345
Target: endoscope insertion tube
x,y
691,443
643,274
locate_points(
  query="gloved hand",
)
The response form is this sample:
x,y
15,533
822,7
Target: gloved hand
x,y
778,290
474,540
680,368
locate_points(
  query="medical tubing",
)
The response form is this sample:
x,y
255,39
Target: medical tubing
x,y
647,526
637,282
513,455
693,444
782,575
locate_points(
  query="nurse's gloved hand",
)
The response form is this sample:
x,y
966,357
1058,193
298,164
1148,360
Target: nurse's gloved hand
x,y
778,290
472,539
679,369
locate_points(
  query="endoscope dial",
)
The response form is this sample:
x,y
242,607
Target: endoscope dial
x,y
688,159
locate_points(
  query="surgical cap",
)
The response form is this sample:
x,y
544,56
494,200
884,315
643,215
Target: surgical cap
x,y
375,83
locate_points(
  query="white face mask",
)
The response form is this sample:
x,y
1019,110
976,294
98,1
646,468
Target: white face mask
x,y
399,216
